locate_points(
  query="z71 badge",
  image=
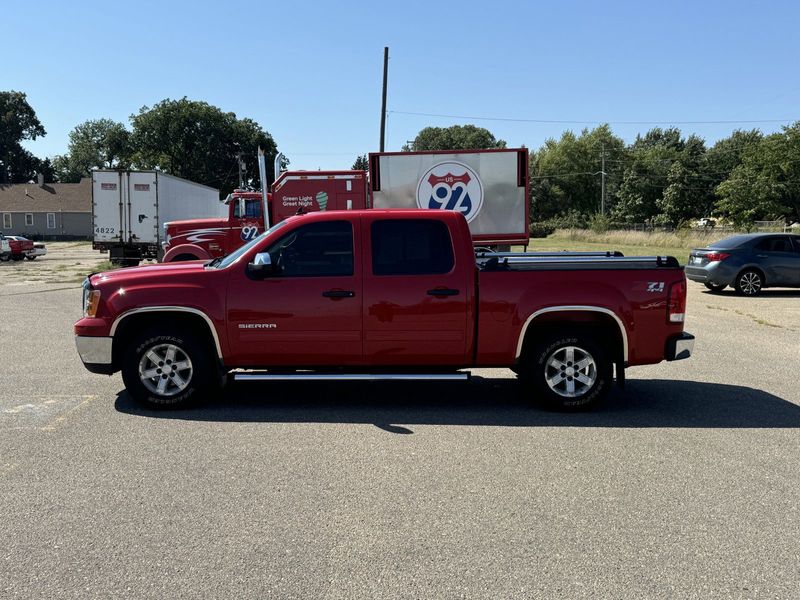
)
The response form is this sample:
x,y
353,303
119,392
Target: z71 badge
x,y
655,286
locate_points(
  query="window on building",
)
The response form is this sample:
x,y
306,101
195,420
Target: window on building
x,y
51,220
411,247
28,219
6,220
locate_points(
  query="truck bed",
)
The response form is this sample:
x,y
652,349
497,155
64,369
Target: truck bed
x,y
517,287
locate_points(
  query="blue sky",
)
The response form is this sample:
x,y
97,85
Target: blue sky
x,y
310,73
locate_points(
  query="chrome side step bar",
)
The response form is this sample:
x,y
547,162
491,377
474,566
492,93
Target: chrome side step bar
x,y
351,376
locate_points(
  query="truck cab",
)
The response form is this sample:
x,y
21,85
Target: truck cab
x,y
204,239
294,192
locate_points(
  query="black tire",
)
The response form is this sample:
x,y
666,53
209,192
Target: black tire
x,y
17,257
566,393
31,257
749,282
715,288
184,257
200,377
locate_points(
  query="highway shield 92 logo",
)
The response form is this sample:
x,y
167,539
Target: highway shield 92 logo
x,y
451,185
249,232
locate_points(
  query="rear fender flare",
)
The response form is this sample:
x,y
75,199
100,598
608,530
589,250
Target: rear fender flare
x,y
573,308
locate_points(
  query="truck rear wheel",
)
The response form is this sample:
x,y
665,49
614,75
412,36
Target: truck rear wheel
x,y
168,368
568,371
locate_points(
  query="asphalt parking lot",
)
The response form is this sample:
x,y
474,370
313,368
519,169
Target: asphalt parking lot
x,y
686,485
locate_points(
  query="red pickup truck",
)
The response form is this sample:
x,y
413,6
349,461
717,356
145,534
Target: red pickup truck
x,y
382,294
21,247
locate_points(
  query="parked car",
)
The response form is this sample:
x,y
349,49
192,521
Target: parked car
x,y
704,223
20,246
29,249
382,295
748,263
5,249
39,249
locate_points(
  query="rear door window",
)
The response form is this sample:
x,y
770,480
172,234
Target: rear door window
x,y
411,247
775,244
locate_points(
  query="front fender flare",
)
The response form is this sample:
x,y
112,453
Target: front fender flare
x,y
198,252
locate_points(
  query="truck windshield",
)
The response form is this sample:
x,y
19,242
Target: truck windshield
x,y
224,261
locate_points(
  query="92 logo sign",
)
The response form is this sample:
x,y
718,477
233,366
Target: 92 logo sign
x,y
451,185
249,232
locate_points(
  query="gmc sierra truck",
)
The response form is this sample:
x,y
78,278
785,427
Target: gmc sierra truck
x,y
382,294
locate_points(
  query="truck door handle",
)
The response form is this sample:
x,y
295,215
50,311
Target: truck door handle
x,y
762,255
339,294
442,292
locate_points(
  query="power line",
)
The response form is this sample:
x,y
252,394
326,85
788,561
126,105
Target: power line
x,y
565,174
576,122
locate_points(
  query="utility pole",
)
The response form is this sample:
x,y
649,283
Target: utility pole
x,y
383,102
603,181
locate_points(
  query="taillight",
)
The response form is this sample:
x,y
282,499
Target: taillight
x,y
716,256
676,306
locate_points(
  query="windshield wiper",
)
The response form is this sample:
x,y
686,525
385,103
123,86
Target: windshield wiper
x,y
214,262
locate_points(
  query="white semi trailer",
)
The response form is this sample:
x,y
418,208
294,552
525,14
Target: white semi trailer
x,y
129,209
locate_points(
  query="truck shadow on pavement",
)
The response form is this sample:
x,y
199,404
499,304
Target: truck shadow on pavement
x,y
397,407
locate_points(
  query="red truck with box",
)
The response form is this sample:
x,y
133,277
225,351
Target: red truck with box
x,y
488,187
294,192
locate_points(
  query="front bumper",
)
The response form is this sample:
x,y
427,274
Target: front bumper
x,y
95,352
680,347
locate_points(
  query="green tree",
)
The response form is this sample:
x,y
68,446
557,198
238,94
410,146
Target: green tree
x,y
200,142
766,184
727,154
689,192
645,173
566,173
97,144
361,163
18,122
457,137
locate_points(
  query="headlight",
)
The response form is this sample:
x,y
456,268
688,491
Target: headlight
x,y
91,299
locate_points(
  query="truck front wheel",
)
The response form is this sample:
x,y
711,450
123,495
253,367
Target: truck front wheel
x,y
569,371
167,369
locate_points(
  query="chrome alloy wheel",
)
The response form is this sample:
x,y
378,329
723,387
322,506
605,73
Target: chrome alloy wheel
x,y
750,283
570,371
165,370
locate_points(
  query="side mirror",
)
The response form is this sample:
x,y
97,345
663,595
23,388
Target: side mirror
x,y
261,267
